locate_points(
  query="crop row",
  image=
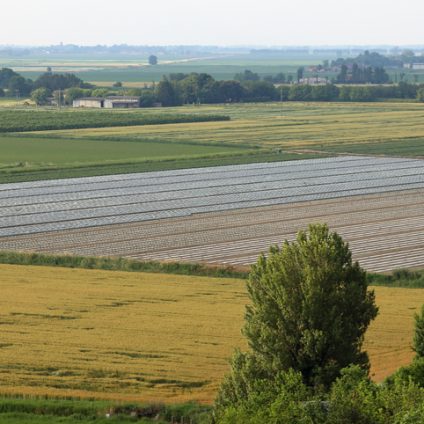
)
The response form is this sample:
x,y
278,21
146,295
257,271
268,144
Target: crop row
x,y
30,120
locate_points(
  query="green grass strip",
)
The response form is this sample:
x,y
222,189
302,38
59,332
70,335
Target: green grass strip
x,y
36,410
398,278
14,176
119,264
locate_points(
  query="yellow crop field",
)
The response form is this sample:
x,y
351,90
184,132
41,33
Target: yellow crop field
x,y
139,336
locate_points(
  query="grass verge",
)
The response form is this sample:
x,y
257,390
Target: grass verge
x,y
119,264
40,411
398,278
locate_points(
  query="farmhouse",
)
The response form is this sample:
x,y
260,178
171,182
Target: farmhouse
x,y
96,102
121,102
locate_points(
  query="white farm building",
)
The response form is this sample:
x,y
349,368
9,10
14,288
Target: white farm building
x,y
121,102
95,102
115,102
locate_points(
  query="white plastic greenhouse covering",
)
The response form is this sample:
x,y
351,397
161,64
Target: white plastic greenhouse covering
x,y
40,206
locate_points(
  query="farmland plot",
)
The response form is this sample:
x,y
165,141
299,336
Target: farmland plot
x,y
224,215
146,337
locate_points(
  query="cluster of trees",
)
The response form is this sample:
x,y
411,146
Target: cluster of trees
x,y
395,59
178,88
362,75
369,59
14,83
279,78
356,93
44,87
305,325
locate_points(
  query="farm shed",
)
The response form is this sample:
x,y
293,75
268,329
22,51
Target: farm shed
x,y
121,102
415,66
96,102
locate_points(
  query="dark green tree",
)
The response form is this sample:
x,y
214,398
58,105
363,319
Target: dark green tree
x,y
420,95
40,96
419,334
310,307
19,86
74,93
6,74
147,97
342,76
58,81
231,91
247,75
153,60
300,72
166,93
260,91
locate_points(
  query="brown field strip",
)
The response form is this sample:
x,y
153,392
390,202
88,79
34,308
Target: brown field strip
x,y
385,231
136,336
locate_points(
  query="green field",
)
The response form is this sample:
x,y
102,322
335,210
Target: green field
x,y
30,153
260,132
221,67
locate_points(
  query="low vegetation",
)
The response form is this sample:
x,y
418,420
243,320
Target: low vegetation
x,y
398,278
38,411
37,120
119,264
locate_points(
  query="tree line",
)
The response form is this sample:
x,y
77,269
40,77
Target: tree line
x,y
362,75
201,88
17,85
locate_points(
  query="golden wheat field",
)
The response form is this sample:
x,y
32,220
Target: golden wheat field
x,y
139,336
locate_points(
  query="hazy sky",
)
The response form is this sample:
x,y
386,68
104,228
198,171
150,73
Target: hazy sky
x,y
219,22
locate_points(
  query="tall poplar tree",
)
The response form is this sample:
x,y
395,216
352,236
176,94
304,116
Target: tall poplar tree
x,y
309,310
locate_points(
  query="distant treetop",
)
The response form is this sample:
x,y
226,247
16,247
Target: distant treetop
x,y
153,60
